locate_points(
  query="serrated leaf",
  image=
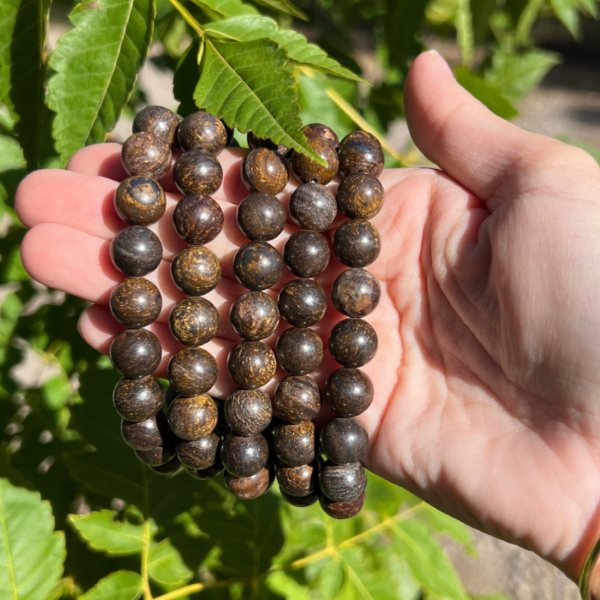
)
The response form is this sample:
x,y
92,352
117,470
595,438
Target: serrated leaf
x,y
11,154
166,566
244,28
224,9
96,66
284,6
121,585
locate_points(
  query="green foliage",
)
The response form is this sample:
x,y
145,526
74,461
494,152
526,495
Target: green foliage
x,y
122,585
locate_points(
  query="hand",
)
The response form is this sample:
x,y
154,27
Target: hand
x,y
487,401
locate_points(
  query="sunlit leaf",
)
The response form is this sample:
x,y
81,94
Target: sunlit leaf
x,y
284,6
122,585
224,9
166,566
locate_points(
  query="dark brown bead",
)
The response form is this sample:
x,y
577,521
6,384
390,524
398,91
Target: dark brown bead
x,y
264,171
140,201
360,196
158,120
322,131
300,501
248,411
196,270
349,392
192,371
353,343
297,399
256,142
254,315
135,353
202,131
135,302
257,266
313,206
208,473
342,483
136,251
199,454
147,155
194,321
193,418
261,217
356,243
302,302
305,169
355,293
295,443
251,364
248,488
244,456
155,457
147,434
306,254
137,399
361,152
198,219
342,510
344,441
299,350
197,172
170,468
297,481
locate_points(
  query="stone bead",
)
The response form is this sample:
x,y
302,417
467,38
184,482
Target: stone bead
x,y
248,411
302,302
344,441
147,155
299,350
193,418
257,266
264,170
244,456
353,343
199,454
198,219
305,169
355,293
297,399
208,473
297,481
342,510
135,302
157,456
140,201
192,371
295,443
360,196
300,501
322,131
254,315
136,251
159,121
248,488
170,468
356,243
135,353
196,270
138,399
197,172
342,483
203,131
251,364
349,392
194,321
313,206
256,142
306,254
147,434
360,152
261,217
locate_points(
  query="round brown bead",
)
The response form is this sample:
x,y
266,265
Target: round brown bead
x,y
135,302
136,251
137,399
194,321
135,353
355,293
257,266
251,364
297,399
147,155
254,315
170,468
256,142
147,434
313,206
203,131
295,443
297,481
248,488
248,411
197,172
322,131
244,456
305,169
155,457
344,441
192,371
261,217
361,152
353,343
342,483
356,243
140,201
302,302
208,473
159,121
198,219
196,270
360,196
264,171
349,392
342,510
193,418
199,454
300,501
299,350
306,254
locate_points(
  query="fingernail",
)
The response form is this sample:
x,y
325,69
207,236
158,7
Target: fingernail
x,y
441,62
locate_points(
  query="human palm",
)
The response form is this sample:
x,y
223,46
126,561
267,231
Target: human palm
x,y
488,324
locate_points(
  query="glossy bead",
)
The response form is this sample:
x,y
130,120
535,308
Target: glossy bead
x,y
256,142
136,251
349,392
192,371
135,353
248,411
306,254
147,155
251,364
297,399
199,454
322,131
261,217
140,201
197,172
356,243
203,131
257,266
135,302
360,196
158,120
196,270
355,293
297,481
344,441
342,510
244,456
170,468
302,302
264,171
342,483
194,321
248,488
295,443
198,219
299,350
208,473
360,152
155,457
300,501
193,418
313,206
254,315
305,169
147,434
137,399
353,343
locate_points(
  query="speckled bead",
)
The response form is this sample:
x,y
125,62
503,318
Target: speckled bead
x,y
349,392
208,473
147,155
192,371
297,399
135,353
257,266
256,142
196,270
344,441
297,481
138,399
248,488
355,293
300,501
194,321
198,219
244,456
199,454
197,172
248,411
193,418
157,456
306,254
159,121
299,350
360,152
302,302
356,243
342,483
140,201
261,217
353,343
295,443
342,510
170,468
305,169
135,302
136,251
313,206
254,315
264,171
322,131
360,196
251,364
147,434
203,131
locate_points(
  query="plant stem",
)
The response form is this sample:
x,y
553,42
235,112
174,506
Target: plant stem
x,y
188,17
145,555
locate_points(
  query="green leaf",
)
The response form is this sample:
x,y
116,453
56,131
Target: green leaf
x,y
566,11
224,9
96,66
284,6
244,28
31,552
186,78
464,32
166,566
287,587
11,154
121,585
402,23
443,523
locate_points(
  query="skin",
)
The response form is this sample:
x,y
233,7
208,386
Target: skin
x,y
486,380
